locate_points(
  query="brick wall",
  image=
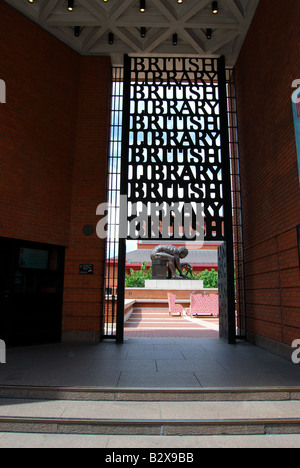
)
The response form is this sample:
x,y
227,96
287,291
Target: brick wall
x,y
266,68
83,298
53,148
37,128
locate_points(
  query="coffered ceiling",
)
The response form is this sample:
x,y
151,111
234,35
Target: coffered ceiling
x,y
190,20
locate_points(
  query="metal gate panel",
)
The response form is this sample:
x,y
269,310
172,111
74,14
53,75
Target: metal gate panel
x,y
175,151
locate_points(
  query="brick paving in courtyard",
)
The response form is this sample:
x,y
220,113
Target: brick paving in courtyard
x,y
158,323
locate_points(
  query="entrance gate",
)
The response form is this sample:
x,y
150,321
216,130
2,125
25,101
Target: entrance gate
x,y
175,152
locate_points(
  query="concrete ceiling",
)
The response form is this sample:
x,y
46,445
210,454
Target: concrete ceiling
x,y
162,19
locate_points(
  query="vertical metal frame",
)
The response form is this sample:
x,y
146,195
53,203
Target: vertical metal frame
x,y
123,192
228,209
238,237
109,318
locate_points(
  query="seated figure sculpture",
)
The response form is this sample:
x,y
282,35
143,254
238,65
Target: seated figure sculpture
x,y
168,254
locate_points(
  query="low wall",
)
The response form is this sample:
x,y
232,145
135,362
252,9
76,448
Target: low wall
x,y
173,284
128,309
158,294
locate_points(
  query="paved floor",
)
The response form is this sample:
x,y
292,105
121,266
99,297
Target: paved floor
x,y
155,362
149,363
12,440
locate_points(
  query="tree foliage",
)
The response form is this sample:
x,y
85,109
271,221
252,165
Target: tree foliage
x,y
136,279
210,278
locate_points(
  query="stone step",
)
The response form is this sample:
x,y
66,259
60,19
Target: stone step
x,y
149,428
161,418
151,394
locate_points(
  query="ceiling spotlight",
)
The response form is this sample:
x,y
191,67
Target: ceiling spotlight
x,y
77,31
143,32
142,6
70,5
215,8
110,38
209,33
180,2
175,39
30,1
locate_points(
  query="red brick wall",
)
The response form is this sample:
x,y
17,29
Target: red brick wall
x,y
84,294
266,68
53,155
37,131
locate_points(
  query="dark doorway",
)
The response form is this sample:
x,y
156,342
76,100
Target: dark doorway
x,y
31,291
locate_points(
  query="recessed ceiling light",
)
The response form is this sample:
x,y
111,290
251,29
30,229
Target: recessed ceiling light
x,y
142,6
77,31
111,38
215,8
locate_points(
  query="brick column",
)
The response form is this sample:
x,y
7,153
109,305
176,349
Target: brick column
x,y
83,294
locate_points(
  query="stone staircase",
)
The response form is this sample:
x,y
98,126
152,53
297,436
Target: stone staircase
x,y
145,321
150,412
148,318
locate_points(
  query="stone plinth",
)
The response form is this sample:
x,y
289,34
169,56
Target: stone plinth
x,y
172,285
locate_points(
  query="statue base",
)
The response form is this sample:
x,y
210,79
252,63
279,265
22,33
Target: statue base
x,y
174,284
159,269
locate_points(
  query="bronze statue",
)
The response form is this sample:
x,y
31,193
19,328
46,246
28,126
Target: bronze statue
x,y
168,254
